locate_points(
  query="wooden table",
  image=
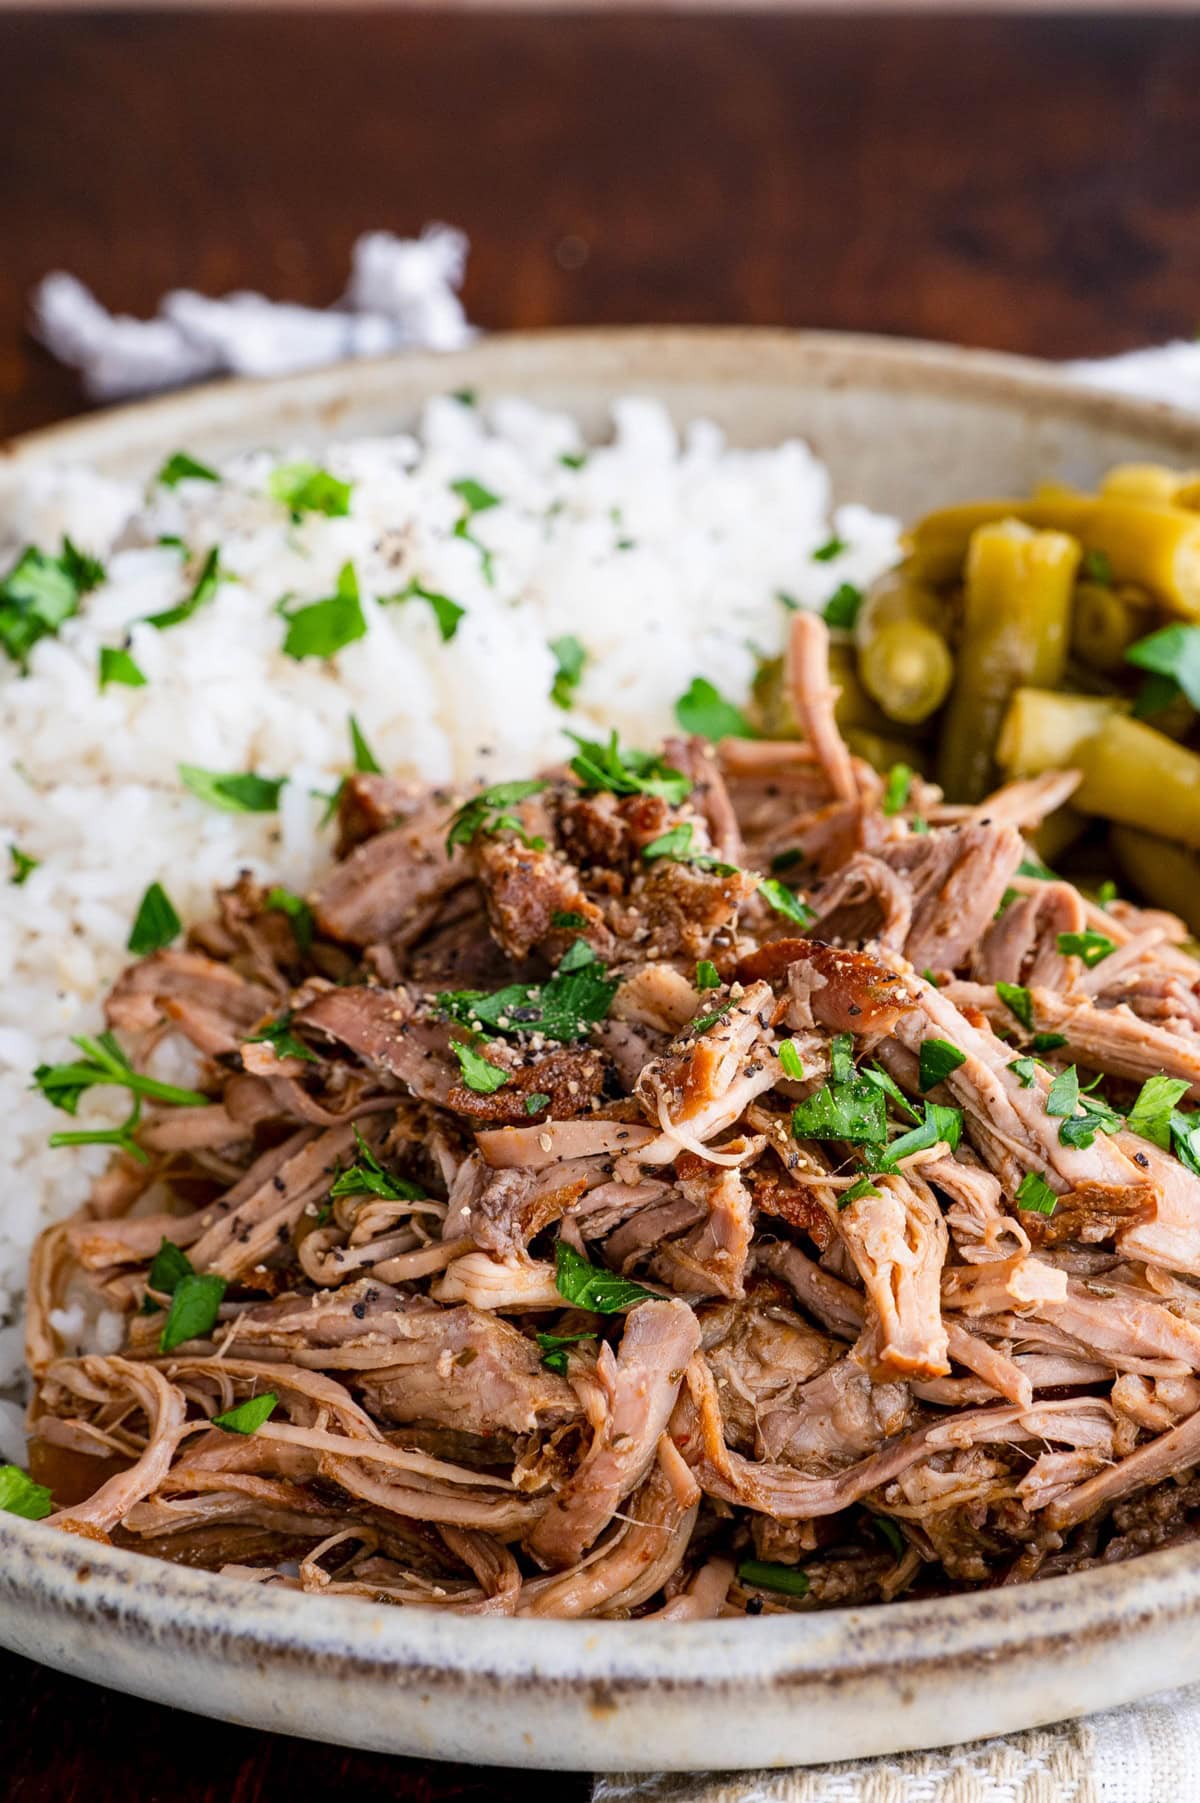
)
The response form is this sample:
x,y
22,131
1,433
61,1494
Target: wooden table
x,y
1023,183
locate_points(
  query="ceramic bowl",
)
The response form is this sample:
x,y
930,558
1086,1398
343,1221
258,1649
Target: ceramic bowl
x,y
901,426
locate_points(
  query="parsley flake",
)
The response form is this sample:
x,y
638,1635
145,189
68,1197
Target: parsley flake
x,y
704,710
1035,1196
853,1111
242,792
786,902
1091,947
599,766
554,1349
833,547
488,813
367,1177
300,915
570,658
446,613
19,1495
365,761
195,1306
279,1036
249,1416
707,975
478,1073
790,1061
591,1286
564,1008
155,924
306,488
22,866
39,592
1152,1112
762,1574
941,1125
1017,1000
1172,655
322,628
841,609
204,588
896,792
938,1059
181,467
117,665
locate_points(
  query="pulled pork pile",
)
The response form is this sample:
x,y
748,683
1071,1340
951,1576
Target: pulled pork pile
x,y
571,1220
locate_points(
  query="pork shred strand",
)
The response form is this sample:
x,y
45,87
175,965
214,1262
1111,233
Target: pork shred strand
x,y
491,1186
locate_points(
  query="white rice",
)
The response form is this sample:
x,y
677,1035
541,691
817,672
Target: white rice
x,y
664,555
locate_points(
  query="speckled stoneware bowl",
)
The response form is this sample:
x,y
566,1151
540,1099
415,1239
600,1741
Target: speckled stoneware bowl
x,y
902,427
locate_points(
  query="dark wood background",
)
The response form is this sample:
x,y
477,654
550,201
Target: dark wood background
x,y
1026,183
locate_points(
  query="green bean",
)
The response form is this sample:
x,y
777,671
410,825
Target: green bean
x,y
1057,832
1167,875
1015,619
1105,622
1133,773
1155,546
908,670
1044,728
1157,483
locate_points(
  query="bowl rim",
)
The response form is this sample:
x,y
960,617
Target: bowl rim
x,y
760,355
63,1576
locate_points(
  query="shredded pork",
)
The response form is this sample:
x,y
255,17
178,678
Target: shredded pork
x,y
571,1222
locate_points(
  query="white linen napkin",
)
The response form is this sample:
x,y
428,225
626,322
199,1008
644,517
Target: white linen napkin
x,y
403,294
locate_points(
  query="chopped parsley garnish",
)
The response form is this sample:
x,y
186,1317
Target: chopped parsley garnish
x,y
788,1580
466,397
570,658
19,1495
853,1111
122,1137
181,467
1031,865
367,1177
784,901
790,1061
573,460
249,1416
1018,1001
305,488
591,1286
170,1264
1091,947
677,845
896,792
554,1349
1152,1112
39,592
1025,1070
599,766
841,609
703,709
278,1034
1096,566
841,1058
1035,1195
788,860
195,1305
833,547
1172,654
478,1073
322,628
1047,1042
284,901
172,541
704,1021
788,601
1063,1094
887,1530
365,761
938,1059
536,1102
205,587
566,917
875,1073
103,1063
930,977
707,975
1107,892
564,1008
857,1193
1097,1117
940,1125
22,866
241,792
487,813
117,665
155,924
446,613
1185,1139
475,497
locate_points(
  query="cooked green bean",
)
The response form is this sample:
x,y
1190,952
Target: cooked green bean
x,y
1157,547
907,668
1015,621
1133,773
1166,874
1154,482
1105,622
1057,832
1044,728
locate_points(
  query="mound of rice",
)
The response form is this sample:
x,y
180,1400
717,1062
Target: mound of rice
x,y
664,555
